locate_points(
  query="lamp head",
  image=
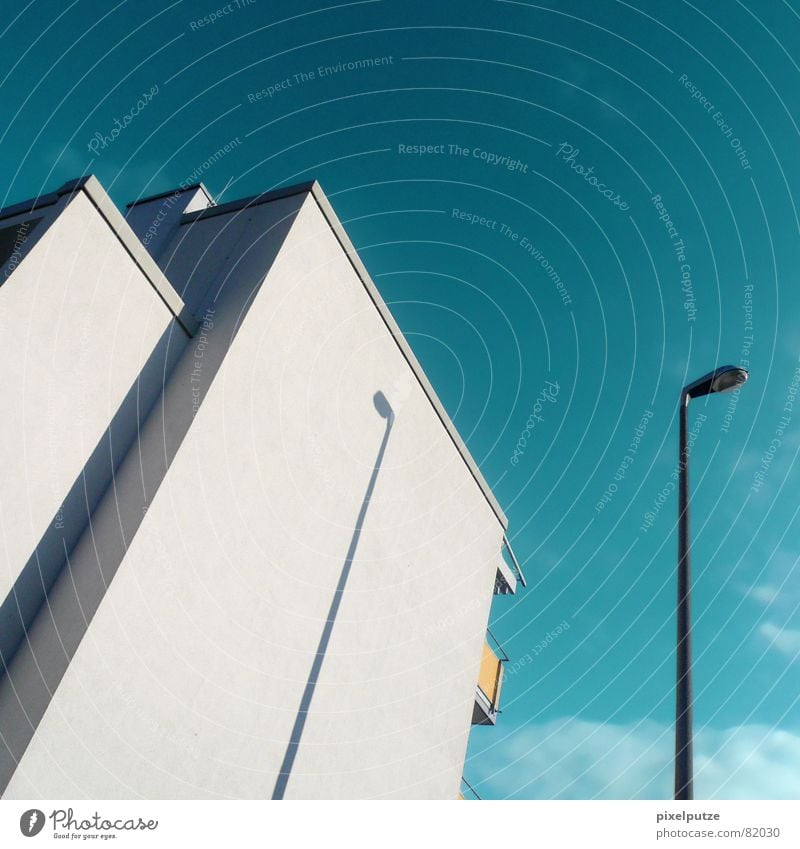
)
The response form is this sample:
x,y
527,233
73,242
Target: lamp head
x,y
722,379
728,378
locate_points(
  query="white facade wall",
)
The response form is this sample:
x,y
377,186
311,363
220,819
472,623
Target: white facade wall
x,y
77,324
230,522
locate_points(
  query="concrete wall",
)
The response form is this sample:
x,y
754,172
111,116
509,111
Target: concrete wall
x,y
189,679
78,324
156,220
85,342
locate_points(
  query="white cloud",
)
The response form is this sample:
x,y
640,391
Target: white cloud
x,y
785,640
777,585
574,759
765,594
749,762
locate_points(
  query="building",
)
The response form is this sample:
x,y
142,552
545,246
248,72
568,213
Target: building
x,y
245,552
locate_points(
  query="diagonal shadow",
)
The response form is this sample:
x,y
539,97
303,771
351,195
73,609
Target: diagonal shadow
x,y
384,409
51,605
28,594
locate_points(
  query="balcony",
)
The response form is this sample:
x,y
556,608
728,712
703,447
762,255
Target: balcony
x,y
508,571
490,680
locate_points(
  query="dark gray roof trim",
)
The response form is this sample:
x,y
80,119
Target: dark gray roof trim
x,y
171,192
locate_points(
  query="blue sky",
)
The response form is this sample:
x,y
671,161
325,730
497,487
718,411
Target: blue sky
x,y
602,195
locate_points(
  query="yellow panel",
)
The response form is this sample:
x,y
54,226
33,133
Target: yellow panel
x,y
491,675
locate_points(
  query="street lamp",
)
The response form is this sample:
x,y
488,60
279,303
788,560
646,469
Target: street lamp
x,y
722,379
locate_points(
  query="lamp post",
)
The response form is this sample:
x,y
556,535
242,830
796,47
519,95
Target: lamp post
x,y
722,379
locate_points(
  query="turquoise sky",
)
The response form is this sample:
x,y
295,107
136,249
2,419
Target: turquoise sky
x,y
602,195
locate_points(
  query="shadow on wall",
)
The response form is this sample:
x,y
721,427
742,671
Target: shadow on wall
x,y
48,611
385,411
48,560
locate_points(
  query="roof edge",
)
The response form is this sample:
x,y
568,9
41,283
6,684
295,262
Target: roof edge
x,y
30,205
172,192
313,188
100,199
372,290
246,203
